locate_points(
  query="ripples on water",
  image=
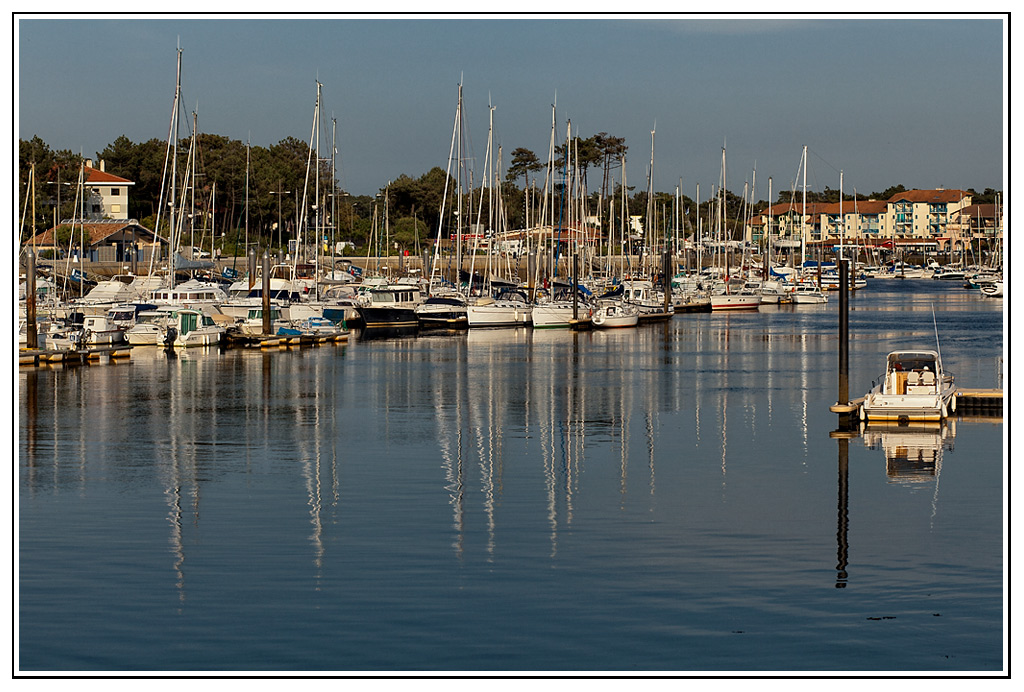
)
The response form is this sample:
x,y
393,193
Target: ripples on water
x,y
666,498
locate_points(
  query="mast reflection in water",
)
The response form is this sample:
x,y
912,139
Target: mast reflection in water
x,y
661,498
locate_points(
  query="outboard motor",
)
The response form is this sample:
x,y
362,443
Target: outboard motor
x,y
172,334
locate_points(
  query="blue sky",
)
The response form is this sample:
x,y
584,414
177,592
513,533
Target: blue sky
x,y
889,100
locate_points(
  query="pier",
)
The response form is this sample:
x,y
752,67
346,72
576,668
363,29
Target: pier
x,y
101,354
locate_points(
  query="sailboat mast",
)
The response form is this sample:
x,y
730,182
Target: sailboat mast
x,y
842,224
435,263
652,232
803,215
458,187
174,172
246,197
768,236
317,203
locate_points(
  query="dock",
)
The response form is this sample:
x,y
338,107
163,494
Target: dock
x,y
271,341
979,401
80,356
968,401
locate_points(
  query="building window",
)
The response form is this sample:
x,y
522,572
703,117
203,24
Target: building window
x,y
115,192
115,208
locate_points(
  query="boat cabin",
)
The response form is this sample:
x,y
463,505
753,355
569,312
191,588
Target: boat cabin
x,y
912,372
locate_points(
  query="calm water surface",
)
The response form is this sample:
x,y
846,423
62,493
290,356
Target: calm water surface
x,y
666,498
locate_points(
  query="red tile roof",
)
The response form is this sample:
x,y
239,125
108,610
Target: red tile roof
x,y
858,207
96,232
94,176
929,196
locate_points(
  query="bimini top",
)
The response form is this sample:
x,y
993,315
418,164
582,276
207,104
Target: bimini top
x,y
905,361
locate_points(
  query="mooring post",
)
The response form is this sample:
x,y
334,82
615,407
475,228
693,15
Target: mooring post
x,y
252,269
31,336
666,275
575,288
531,272
266,292
844,333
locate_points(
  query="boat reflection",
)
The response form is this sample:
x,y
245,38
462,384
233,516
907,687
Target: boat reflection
x,y
913,454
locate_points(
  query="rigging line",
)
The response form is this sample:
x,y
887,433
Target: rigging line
x,y
819,157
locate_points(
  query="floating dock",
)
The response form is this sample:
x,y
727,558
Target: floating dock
x,y
284,340
979,401
101,354
968,401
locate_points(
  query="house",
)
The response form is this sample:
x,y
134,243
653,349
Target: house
x,y
107,194
106,240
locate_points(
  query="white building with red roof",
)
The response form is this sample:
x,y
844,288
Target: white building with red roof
x,y
107,193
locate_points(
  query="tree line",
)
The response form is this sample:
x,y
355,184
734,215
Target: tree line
x,y
258,191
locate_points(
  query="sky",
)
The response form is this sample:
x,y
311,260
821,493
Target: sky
x,y
887,100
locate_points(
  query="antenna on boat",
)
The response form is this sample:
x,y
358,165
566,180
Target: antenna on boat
x,y
936,326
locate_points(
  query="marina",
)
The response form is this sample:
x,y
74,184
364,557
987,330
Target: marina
x,y
347,346
673,496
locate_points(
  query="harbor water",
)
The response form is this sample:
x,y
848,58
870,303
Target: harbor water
x,y
665,498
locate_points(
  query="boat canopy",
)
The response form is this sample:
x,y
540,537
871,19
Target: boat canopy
x,y
906,361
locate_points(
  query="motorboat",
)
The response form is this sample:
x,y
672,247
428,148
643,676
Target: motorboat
x,y
650,303
311,326
443,311
949,273
913,388
252,324
733,297
391,306
124,316
150,327
808,294
84,330
612,314
192,327
170,326
207,296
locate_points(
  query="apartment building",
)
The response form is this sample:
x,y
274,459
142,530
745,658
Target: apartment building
x,y
932,217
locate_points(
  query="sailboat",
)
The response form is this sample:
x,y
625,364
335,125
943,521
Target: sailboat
x,y
724,296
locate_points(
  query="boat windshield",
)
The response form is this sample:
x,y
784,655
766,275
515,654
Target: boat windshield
x,y
910,361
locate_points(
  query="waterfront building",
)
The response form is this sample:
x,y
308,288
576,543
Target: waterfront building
x,y
935,220
106,240
107,193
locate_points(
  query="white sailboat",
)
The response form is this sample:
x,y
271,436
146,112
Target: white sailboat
x,y
724,296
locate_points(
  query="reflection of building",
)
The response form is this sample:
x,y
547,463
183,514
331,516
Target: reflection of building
x,y
912,454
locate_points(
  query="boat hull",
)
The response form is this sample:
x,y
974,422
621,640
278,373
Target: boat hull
x,y
735,302
388,317
499,315
556,316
